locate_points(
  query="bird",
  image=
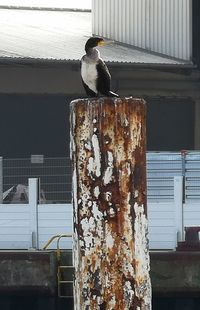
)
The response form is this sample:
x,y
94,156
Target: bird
x,y
95,75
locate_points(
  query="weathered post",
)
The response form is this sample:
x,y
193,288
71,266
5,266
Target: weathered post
x,y
111,255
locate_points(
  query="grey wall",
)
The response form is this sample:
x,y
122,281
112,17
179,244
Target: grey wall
x,y
128,79
34,105
34,124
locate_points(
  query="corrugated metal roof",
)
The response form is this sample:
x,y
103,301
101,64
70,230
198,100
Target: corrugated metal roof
x,y
54,35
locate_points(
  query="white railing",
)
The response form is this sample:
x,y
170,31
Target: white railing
x,y
25,226
166,220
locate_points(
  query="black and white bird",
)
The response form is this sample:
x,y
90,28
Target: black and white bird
x,y
95,75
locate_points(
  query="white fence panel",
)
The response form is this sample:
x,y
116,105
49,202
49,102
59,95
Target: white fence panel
x,y
162,226
23,226
191,214
15,227
54,219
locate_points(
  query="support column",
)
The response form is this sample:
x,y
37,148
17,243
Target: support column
x,y
111,258
33,205
178,201
197,125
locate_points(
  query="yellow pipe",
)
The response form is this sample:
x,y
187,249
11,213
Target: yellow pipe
x,y
54,237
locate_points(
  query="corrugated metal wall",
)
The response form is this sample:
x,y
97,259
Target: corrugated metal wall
x,y
162,167
162,26
192,176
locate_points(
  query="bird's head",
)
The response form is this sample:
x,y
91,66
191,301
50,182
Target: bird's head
x,y
93,42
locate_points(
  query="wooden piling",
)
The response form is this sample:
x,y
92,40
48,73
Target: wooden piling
x,y
111,257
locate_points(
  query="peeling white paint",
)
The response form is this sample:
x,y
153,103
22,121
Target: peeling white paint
x,y
126,122
109,170
96,191
128,267
89,203
97,155
90,165
85,197
108,196
72,142
94,163
88,146
109,240
128,294
128,168
136,193
89,227
143,285
112,303
111,212
98,215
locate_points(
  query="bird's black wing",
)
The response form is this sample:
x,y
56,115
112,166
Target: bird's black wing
x,y
103,79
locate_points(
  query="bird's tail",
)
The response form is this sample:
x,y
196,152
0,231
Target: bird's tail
x,y
112,94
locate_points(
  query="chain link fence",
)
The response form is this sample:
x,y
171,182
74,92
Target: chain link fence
x,y
54,175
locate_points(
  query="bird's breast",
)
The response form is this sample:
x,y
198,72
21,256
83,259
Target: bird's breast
x,y
89,74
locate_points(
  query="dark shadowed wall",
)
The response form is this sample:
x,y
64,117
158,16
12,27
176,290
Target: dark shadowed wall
x,y
39,124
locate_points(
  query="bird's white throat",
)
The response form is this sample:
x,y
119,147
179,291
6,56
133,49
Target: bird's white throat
x,y
89,74
88,68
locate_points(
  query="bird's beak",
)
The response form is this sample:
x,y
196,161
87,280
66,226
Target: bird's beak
x,y
107,42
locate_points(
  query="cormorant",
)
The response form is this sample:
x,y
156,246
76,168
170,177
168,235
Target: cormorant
x,y
94,72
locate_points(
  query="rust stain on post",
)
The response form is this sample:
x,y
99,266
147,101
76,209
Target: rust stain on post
x,y
109,196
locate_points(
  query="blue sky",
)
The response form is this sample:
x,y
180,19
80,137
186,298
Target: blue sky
x,y
83,4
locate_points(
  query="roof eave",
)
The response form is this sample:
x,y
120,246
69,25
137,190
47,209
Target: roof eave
x,y
53,61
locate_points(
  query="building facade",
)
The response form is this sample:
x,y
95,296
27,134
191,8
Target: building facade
x,y
161,26
40,75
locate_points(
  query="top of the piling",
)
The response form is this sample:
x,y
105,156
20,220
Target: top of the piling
x,y
108,100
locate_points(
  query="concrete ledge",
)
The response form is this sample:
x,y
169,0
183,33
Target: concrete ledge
x,y
28,271
175,272
172,273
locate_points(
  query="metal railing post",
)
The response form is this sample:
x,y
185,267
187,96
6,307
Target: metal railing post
x,y
178,200
111,258
33,205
